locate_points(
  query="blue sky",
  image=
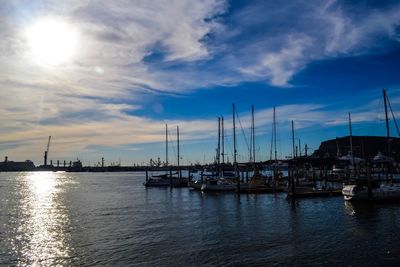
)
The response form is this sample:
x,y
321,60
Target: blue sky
x,y
104,80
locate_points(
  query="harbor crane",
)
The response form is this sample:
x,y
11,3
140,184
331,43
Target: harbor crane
x,y
46,153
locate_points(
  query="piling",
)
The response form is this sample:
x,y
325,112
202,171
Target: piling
x,y
379,172
170,177
314,176
238,185
369,183
292,185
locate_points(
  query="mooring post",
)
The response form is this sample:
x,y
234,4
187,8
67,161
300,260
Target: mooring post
x,y
147,175
238,185
387,172
293,187
369,183
315,178
170,177
391,174
379,172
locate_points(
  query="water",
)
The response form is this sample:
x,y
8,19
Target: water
x,y
111,219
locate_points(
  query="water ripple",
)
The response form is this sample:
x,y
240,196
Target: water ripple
x,y
111,219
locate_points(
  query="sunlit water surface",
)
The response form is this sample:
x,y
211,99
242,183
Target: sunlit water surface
x,y
55,218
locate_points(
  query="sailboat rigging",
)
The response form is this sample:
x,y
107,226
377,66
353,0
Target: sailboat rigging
x,y
370,189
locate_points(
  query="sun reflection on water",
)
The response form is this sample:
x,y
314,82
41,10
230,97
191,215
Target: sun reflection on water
x,y
43,232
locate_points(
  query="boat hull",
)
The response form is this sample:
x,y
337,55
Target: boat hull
x,y
305,192
381,193
162,182
219,187
195,185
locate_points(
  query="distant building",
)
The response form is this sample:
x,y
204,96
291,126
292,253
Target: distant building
x,y
363,146
7,165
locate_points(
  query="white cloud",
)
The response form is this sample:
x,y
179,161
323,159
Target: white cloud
x,y
112,128
315,31
118,37
280,66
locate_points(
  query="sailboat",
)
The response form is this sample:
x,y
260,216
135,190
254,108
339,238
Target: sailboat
x,y
224,183
258,183
167,179
368,189
208,177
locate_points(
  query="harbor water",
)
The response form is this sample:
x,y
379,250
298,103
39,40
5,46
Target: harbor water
x,y
91,219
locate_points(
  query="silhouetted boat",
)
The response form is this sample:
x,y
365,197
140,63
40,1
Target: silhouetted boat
x,y
195,184
368,189
166,181
220,184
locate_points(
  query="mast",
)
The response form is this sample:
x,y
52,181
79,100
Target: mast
x,y
351,140
299,148
177,138
235,167
234,134
387,121
177,141
253,134
272,145
294,151
394,118
223,142
219,146
274,129
166,144
219,142
351,135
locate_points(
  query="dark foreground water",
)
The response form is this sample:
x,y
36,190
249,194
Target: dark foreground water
x,y
111,219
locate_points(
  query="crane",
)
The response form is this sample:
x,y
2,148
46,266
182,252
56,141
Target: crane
x,y
47,151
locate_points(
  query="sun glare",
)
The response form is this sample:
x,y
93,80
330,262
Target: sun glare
x,y
52,41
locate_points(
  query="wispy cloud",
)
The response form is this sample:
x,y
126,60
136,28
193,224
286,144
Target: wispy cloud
x,y
316,30
131,49
119,130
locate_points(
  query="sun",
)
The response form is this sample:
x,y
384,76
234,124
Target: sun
x,y
52,41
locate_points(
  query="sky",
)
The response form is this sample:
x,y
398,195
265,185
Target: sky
x,y
103,79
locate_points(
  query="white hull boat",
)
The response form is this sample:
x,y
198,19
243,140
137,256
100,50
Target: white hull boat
x,y
220,185
381,192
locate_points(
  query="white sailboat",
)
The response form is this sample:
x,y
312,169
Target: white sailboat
x,y
167,179
374,192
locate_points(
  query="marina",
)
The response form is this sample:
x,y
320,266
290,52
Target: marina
x,y
112,219
200,133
